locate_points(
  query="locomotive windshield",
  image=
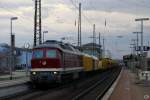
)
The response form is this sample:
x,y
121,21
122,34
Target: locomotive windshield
x,y
51,54
37,53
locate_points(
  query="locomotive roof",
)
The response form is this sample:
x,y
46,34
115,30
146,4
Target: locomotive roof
x,y
59,45
63,46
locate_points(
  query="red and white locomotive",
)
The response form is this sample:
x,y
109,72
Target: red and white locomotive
x,y
55,62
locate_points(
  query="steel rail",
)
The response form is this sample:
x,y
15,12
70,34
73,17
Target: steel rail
x,y
111,76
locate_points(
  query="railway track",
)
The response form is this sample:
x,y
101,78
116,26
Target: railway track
x,y
72,91
29,93
92,88
97,91
12,91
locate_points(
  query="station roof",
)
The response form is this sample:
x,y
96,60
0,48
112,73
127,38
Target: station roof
x,y
91,45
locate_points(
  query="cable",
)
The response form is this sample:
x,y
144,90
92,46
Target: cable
x,y
76,7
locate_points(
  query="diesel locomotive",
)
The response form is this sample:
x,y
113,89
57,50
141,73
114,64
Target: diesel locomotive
x,y
55,61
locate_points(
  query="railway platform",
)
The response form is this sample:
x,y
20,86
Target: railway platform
x,y
18,77
130,88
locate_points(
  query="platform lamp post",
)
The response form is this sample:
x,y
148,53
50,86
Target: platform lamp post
x,y
137,49
12,46
27,46
142,63
44,32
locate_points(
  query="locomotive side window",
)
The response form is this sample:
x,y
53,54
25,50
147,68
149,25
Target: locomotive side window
x,y
51,54
37,54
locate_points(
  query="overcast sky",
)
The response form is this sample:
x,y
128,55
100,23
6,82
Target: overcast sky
x,y
59,16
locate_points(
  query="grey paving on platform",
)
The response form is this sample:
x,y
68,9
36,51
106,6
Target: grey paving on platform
x,y
19,77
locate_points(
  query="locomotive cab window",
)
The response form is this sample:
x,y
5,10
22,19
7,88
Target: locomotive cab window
x,y
51,54
37,54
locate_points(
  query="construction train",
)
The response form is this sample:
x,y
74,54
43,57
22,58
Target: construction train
x,y
56,62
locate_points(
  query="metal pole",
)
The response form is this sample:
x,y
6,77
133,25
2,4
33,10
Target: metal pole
x,y
40,26
26,46
43,37
134,45
137,42
79,27
142,63
142,40
12,37
80,23
99,38
78,33
35,24
103,48
141,50
100,45
143,59
94,39
10,49
26,62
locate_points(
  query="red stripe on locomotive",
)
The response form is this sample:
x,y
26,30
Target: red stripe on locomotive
x,y
45,60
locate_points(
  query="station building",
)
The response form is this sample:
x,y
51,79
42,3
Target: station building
x,y
19,58
92,49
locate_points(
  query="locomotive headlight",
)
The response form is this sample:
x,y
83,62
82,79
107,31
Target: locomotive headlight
x,y
55,73
44,63
34,73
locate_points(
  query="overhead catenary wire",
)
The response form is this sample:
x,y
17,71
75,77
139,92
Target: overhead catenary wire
x,y
76,7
